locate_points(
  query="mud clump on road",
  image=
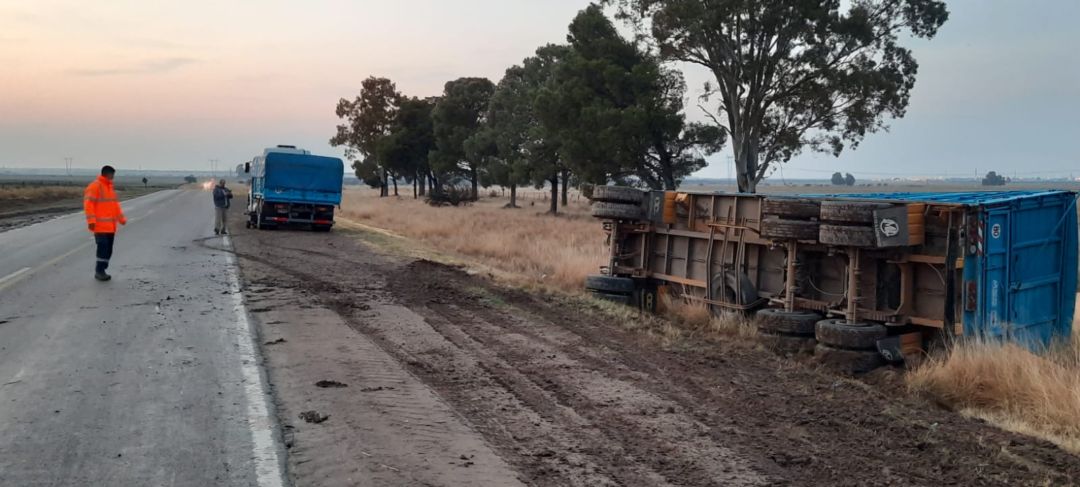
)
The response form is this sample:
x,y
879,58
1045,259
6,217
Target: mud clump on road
x,y
330,384
314,417
569,395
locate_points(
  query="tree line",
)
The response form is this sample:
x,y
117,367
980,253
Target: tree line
x,y
601,108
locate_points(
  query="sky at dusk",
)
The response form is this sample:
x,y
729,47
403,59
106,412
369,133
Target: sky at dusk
x,y
171,85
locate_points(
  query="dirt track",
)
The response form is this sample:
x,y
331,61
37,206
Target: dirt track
x,y
454,380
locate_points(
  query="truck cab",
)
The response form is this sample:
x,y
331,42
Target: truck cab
x,y
290,186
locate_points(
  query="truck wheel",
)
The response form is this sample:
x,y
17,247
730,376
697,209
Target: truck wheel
x,y
781,321
610,284
618,194
847,236
848,361
735,291
850,211
797,208
616,211
779,229
852,336
321,228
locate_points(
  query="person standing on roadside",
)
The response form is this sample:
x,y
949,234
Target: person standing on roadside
x,y
102,214
222,197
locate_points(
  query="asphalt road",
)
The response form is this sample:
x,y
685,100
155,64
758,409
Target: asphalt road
x,y
149,379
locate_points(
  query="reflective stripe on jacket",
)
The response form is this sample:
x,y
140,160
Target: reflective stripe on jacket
x,y
102,207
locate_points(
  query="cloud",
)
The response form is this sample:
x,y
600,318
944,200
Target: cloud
x,y
150,66
152,43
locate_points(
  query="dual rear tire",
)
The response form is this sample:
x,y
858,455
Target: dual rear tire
x,y
845,347
849,347
787,332
617,203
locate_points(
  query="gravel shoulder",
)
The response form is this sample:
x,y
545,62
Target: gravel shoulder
x,y
453,379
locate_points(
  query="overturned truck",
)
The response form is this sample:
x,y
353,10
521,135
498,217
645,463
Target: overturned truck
x,y
859,280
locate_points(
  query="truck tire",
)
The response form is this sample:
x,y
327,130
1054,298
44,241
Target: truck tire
x,y
737,291
614,298
851,336
797,208
848,361
847,236
788,344
259,225
321,228
618,194
850,211
609,284
781,321
780,229
616,211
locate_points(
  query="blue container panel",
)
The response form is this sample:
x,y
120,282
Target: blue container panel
x,y
314,197
1027,273
299,178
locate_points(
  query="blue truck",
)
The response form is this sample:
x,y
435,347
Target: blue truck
x,y
291,187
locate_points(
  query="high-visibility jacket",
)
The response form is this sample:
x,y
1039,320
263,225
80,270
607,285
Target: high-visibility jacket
x,y
101,206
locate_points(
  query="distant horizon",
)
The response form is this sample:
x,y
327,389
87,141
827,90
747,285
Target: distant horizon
x,y
156,83
60,172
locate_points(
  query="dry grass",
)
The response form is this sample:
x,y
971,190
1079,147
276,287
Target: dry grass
x,y
1037,395
557,252
695,318
39,193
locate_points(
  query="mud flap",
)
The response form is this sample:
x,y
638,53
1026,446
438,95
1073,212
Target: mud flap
x,y
646,296
890,349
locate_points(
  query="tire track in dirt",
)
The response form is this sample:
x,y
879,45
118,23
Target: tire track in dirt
x,y
535,376
650,429
788,414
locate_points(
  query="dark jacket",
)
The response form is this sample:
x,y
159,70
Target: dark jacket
x,y
222,195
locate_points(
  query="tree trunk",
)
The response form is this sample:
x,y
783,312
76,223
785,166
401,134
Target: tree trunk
x,y
554,194
565,185
414,189
394,177
475,188
423,182
667,173
385,189
513,196
746,164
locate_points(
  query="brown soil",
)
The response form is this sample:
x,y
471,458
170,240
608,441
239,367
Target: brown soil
x,y
565,394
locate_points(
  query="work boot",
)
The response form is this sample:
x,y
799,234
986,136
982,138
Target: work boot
x,y
216,232
224,232
101,276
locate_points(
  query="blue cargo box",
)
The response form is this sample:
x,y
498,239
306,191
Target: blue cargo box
x,y
1019,261
300,178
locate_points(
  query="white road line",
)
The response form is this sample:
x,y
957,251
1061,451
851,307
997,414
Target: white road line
x,y
14,275
264,448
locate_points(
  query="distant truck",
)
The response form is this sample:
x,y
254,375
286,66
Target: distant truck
x,y
290,186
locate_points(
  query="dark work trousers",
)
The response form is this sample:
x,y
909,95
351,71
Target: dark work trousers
x,y
104,250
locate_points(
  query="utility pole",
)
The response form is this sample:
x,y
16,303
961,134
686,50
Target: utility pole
x,y
67,165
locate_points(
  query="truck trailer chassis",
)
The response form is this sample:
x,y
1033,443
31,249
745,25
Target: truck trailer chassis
x,y
866,277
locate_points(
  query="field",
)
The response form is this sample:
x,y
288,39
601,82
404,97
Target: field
x,y
1006,385
28,200
525,243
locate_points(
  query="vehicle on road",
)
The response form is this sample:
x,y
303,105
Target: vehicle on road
x,y
857,279
291,186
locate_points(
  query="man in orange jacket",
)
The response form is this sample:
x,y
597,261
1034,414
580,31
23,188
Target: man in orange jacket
x,y
102,214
